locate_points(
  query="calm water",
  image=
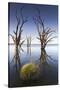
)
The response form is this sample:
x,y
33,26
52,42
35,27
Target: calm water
x,y
46,60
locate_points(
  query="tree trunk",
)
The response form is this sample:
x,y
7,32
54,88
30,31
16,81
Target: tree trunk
x,y
17,59
43,45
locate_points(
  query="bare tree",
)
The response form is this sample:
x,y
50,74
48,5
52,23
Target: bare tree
x,y
29,40
18,33
29,43
45,35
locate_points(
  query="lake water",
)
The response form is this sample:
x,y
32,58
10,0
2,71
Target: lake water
x,y
46,60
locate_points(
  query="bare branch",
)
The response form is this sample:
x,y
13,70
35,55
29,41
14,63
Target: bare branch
x,y
22,13
50,39
49,36
18,22
36,23
38,38
44,33
14,32
49,31
22,49
40,19
22,42
23,21
12,37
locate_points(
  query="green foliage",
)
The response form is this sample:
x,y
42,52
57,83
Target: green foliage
x,y
28,70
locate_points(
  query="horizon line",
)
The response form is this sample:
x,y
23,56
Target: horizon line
x,y
33,44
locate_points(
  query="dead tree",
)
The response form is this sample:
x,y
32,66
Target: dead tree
x,y
45,35
18,33
29,40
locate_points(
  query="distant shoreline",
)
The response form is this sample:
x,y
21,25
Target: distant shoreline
x,y
31,44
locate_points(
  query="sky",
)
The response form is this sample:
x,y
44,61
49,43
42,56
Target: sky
x,y
48,12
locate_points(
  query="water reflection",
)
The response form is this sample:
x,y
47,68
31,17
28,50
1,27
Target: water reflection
x,y
39,66
43,56
29,50
16,59
32,72
27,70
43,60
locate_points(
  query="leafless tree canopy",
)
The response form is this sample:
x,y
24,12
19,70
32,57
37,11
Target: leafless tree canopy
x,y
17,35
18,32
44,34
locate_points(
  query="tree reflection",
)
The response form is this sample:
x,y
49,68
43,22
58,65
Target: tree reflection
x,y
29,40
43,56
16,61
43,61
29,50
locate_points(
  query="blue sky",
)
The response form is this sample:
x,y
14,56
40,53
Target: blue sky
x,y
48,12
